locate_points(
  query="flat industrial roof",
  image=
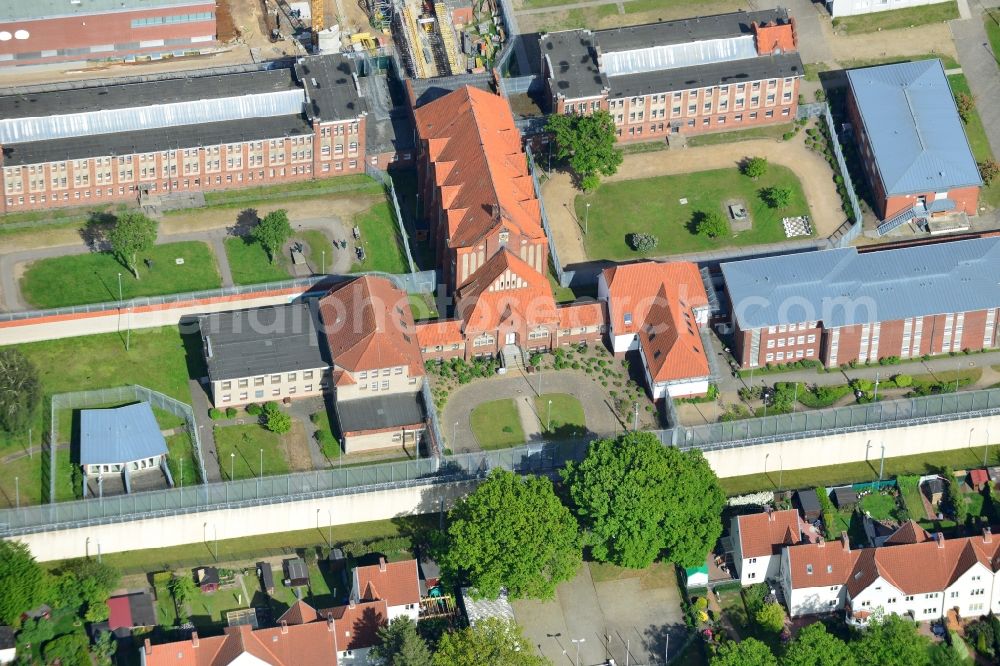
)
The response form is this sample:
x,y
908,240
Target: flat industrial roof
x,y
120,435
379,412
912,123
262,341
330,83
842,287
25,10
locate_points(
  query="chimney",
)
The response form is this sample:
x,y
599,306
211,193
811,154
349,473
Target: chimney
x,y
352,602
194,639
770,516
844,539
987,535
821,543
148,648
381,564
940,539
284,627
329,623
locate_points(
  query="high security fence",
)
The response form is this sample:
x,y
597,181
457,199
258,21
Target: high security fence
x,y
118,395
438,445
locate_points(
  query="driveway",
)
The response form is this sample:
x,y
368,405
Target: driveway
x,y
812,170
607,612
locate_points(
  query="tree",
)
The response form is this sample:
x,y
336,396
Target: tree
x,y
989,170
711,224
272,232
953,496
589,143
105,646
20,391
276,420
22,582
755,167
492,642
776,197
893,641
815,646
641,242
70,649
514,533
637,497
92,582
771,617
747,652
966,105
401,645
132,234
181,589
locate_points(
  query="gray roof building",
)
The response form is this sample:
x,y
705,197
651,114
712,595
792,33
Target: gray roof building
x,y
842,287
261,341
909,115
669,55
120,435
377,413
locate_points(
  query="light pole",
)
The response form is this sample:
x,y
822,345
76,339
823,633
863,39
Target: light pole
x,y
766,456
986,454
17,493
329,516
875,394
262,463
548,425
182,473
215,537
576,642
586,220
232,466
323,269
128,333
635,422
781,470
881,465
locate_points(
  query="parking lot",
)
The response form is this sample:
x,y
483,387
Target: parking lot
x,y
605,612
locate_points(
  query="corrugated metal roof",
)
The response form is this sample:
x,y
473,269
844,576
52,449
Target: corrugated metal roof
x,y
119,435
841,287
672,56
912,123
22,10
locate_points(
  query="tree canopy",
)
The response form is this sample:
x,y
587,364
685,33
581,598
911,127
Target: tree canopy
x,y
20,391
893,641
492,642
747,652
86,584
272,232
776,197
815,646
588,142
22,581
132,234
711,224
755,167
513,533
637,498
401,645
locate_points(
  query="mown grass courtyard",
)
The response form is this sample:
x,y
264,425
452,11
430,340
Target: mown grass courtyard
x,y
668,207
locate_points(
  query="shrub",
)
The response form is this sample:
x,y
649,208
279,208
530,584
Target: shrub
x,y
820,95
231,412
787,136
754,167
276,420
966,105
989,170
710,224
753,597
770,617
902,381
642,242
535,359
889,360
776,197
215,413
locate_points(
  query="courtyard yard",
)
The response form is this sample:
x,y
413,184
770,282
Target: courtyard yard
x,y
250,263
381,241
241,448
93,277
561,415
897,18
668,206
497,425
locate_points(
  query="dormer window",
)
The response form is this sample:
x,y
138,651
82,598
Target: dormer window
x,y
628,318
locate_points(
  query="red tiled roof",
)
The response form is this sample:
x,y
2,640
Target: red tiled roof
x,y
368,324
505,290
670,341
312,644
908,532
358,624
434,333
765,533
397,585
478,166
581,314
821,564
633,289
299,613
119,613
978,477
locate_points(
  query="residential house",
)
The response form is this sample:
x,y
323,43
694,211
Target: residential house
x,y
693,75
659,309
395,583
357,626
758,539
840,306
912,143
809,505
296,572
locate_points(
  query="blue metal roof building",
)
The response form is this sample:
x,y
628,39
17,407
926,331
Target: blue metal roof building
x,y
120,435
843,288
917,140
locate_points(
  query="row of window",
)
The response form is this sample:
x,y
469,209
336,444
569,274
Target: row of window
x,y
364,374
791,328
259,381
801,340
706,122
259,394
782,356
151,21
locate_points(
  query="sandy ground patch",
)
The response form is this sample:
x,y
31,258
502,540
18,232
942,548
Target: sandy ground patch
x,y
217,218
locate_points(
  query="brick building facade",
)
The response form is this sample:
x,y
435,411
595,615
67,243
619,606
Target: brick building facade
x,y
42,31
198,131
839,306
688,76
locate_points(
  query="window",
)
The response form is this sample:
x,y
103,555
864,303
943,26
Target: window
x,y
226,386
809,569
399,370
385,384
413,380
781,342
276,391
909,598
753,560
244,383
628,318
309,387
258,394
275,379
291,376
770,343
258,381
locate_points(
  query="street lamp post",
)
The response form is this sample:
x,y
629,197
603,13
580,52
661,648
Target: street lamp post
x,y
781,470
548,424
17,493
766,456
323,269
182,473
881,465
262,463
875,393
232,466
586,220
121,303
986,455
576,642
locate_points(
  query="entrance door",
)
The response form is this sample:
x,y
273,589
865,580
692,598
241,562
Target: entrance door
x,y
511,339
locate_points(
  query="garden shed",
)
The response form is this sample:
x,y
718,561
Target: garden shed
x,y
933,489
296,573
266,576
845,497
808,504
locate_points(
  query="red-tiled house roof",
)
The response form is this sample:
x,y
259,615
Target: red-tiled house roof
x,y
978,477
670,341
396,583
763,534
908,532
119,613
580,315
506,292
633,289
434,333
299,613
368,324
358,623
821,564
311,644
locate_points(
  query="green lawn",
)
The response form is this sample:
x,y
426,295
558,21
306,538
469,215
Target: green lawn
x,y
976,134
353,184
181,448
422,306
898,18
880,506
652,205
913,502
561,294
992,21
250,264
380,238
77,215
857,471
22,480
93,277
318,244
567,415
714,138
497,425
246,441
813,70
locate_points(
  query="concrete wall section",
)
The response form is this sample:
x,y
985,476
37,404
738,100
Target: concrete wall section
x,y
233,523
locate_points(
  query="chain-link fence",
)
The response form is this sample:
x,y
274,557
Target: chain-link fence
x,y
386,181
436,448
118,395
855,229
563,278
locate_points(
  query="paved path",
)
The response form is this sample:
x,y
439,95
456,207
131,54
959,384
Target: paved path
x,y
200,407
812,170
302,409
599,412
530,423
980,67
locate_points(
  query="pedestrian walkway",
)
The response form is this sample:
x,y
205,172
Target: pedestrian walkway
x,y
979,65
200,406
